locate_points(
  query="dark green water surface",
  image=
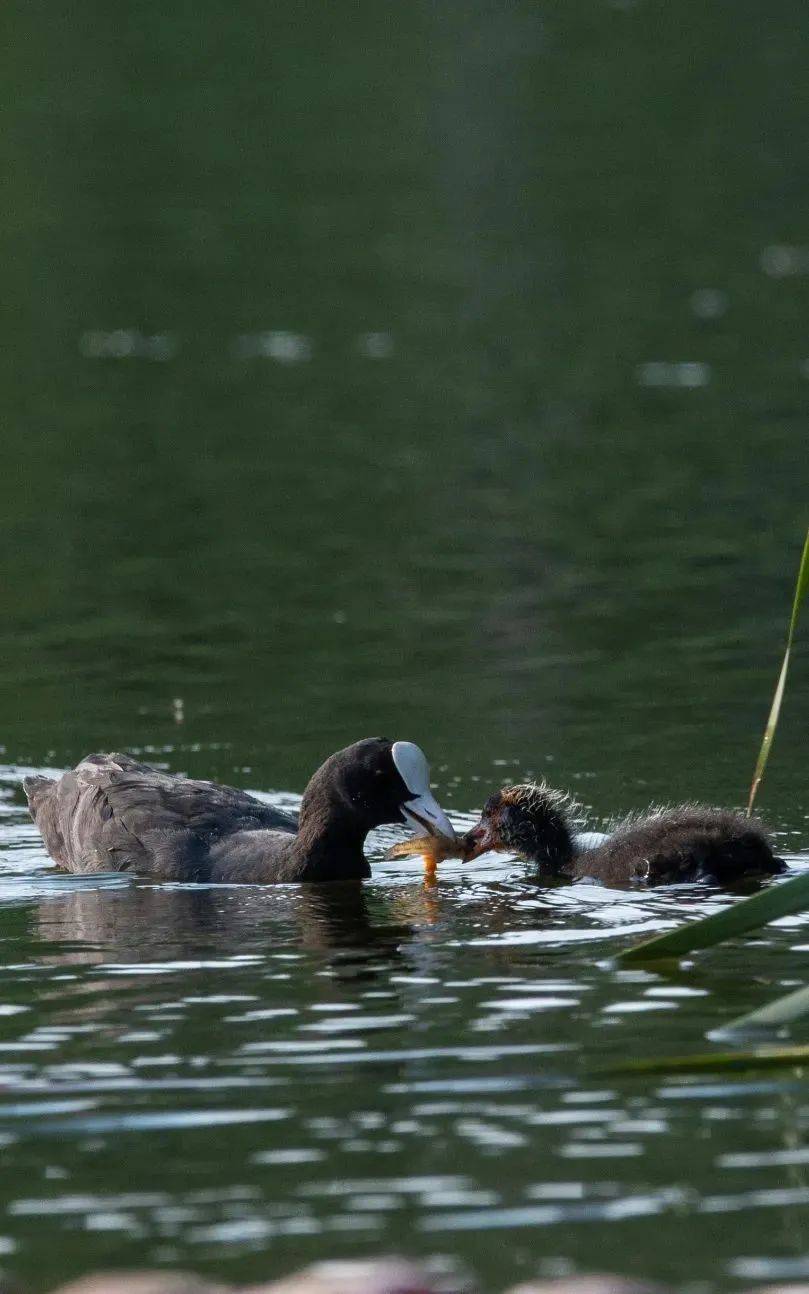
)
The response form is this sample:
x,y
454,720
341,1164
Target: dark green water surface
x,y
438,370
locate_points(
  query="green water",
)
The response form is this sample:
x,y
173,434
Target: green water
x,y
438,371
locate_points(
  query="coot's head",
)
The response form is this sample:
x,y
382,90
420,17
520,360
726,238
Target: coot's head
x,y
530,820
377,781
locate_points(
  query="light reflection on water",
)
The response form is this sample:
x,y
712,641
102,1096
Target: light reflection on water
x,y
378,1067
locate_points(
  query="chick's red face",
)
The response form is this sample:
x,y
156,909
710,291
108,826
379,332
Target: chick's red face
x,y
485,836
528,820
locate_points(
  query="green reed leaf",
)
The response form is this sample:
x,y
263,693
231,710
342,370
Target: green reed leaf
x,y
720,1061
748,914
783,1010
778,901
775,709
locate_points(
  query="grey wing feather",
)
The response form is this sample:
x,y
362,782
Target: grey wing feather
x,y
112,812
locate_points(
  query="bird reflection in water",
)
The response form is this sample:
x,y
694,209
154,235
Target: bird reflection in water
x,y
154,924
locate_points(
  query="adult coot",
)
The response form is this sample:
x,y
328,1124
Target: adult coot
x,y
113,813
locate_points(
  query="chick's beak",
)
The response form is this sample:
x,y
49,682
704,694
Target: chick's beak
x,y
479,840
424,813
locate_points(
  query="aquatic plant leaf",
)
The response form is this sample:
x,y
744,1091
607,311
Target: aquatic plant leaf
x,y
434,848
748,914
781,900
783,1010
775,709
720,1061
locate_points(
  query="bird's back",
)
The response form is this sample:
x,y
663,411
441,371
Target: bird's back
x,y
113,813
684,844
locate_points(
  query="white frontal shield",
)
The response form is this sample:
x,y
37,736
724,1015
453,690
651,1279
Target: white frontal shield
x,y
422,812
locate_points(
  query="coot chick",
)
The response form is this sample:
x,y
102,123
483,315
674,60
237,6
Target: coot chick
x,y
688,843
112,813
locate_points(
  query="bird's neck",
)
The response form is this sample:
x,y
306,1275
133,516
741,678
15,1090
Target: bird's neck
x,y
328,846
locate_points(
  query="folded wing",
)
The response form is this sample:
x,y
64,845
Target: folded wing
x,y
113,813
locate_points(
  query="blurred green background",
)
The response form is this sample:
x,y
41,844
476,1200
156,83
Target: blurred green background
x,y
435,369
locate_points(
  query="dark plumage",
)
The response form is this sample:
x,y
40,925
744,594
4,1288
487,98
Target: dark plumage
x,y
530,820
113,813
689,843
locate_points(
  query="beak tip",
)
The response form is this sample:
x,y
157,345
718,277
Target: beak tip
x,y
426,814
479,840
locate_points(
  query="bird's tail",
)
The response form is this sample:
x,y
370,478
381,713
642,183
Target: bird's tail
x,y
38,790
43,805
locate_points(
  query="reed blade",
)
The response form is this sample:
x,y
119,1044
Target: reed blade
x,y
780,900
774,1015
748,914
775,709
719,1062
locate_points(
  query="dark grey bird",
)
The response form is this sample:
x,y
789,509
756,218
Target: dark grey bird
x,y
687,843
111,813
